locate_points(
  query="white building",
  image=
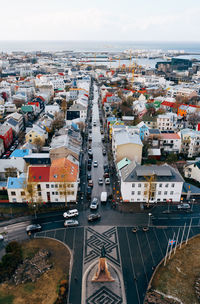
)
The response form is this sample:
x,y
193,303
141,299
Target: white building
x,y
190,142
166,183
170,142
52,109
192,170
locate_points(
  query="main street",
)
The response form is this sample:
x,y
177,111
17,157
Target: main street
x,y
136,254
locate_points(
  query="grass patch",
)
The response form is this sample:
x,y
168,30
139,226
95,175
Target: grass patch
x,y
178,277
45,289
29,287
7,299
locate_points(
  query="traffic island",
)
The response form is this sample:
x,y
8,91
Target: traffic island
x,y
42,275
178,281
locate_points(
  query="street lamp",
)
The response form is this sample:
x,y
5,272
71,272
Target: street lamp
x,y
35,211
150,214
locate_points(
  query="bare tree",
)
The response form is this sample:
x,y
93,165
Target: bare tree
x,y
193,119
58,122
38,143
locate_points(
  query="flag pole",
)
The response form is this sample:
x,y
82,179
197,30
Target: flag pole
x,y
188,231
182,235
166,254
170,252
177,240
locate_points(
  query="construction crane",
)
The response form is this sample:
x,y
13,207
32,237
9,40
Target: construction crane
x,y
151,188
133,72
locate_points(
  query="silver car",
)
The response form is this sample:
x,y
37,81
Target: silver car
x,y
71,223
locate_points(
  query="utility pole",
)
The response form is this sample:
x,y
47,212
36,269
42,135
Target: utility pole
x,y
170,252
177,240
166,254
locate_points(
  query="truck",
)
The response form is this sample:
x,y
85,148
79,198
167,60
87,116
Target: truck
x,y
104,196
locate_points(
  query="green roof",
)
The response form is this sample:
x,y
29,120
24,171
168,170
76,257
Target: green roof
x,y
122,163
27,109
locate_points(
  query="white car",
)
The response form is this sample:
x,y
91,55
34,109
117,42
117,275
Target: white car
x,y
70,213
95,164
94,204
107,181
183,206
1,237
71,223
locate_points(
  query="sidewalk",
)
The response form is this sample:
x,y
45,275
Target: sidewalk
x,y
16,220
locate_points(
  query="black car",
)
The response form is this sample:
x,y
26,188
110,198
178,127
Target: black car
x,y
89,176
89,191
33,228
94,217
89,167
89,161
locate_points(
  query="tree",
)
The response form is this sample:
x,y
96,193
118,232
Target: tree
x,y
172,158
64,107
193,119
38,143
145,148
10,172
58,122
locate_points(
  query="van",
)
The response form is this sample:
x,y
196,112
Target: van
x,y
70,213
104,197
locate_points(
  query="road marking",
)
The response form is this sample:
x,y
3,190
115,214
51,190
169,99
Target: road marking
x,y
150,249
158,242
142,259
133,270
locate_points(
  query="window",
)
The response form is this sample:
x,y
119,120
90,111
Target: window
x,y
165,193
72,192
133,185
166,185
47,186
56,192
159,192
52,186
171,192
56,186
139,185
13,193
173,185
145,192
133,192
60,186
72,185
160,185
40,193
22,193
53,193
145,185
139,193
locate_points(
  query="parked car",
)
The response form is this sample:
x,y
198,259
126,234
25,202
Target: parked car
x,y
1,237
107,181
4,156
95,164
89,151
90,183
184,206
70,213
89,167
71,223
89,161
8,153
104,152
105,168
106,175
100,182
94,204
33,228
12,148
89,176
94,217
94,123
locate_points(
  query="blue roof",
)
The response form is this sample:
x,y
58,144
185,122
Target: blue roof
x,y
20,153
16,183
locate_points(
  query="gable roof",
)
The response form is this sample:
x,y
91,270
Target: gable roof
x,y
63,170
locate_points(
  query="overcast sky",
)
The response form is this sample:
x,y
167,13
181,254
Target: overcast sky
x,y
133,20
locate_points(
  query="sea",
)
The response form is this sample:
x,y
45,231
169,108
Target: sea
x,y
103,46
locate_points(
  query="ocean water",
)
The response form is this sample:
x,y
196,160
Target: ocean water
x,y
96,46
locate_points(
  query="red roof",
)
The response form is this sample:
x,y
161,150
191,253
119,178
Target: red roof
x,y
168,104
38,174
169,136
34,103
61,74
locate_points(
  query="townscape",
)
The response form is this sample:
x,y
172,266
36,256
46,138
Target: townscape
x,y
101,149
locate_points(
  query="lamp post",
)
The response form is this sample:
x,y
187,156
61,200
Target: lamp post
x,y
150,214
34,206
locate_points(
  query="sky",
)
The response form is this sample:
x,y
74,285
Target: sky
x,y
106,20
